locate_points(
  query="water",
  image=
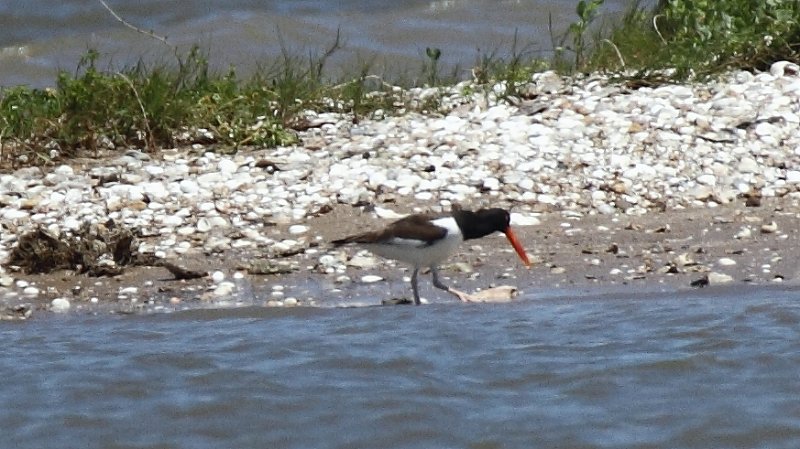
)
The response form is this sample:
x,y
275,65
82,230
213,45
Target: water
x,y
696,370
38,37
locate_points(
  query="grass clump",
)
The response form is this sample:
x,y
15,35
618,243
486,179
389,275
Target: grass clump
x,y
699,38
140,106
153,106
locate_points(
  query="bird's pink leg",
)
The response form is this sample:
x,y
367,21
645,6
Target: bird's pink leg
x,y
438,284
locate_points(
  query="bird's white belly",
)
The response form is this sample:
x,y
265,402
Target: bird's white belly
x,y
418,255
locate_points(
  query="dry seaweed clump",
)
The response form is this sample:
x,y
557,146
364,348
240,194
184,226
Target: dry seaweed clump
x,y
94,249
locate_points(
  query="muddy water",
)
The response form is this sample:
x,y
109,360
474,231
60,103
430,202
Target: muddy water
x,y
712,368
38,37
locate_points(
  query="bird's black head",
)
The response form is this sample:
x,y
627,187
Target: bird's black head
x,y
482,222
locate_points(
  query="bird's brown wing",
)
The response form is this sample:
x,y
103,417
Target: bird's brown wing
x,y
413,227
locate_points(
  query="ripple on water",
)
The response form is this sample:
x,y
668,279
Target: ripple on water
x,y
686,371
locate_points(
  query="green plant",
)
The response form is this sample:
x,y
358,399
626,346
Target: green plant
x,y
587,12
729,33
510,73
697,38
432,67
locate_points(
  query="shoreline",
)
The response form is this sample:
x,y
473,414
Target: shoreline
x,y
618,187
644,256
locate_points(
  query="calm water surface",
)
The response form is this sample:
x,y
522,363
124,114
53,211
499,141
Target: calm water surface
x,y
681,371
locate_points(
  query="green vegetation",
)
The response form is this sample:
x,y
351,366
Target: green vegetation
x,y
153,106
142,106
699,38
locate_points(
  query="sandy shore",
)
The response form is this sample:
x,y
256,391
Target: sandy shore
x,y
642,255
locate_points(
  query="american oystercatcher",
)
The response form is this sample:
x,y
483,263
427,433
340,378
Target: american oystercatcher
x,y
425,241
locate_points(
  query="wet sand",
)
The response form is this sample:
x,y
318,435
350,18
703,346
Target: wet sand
x,y
639,256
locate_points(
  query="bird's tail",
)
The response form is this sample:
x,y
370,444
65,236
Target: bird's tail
x,y
368,237
344,241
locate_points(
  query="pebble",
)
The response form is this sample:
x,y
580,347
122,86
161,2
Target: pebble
x,y
518,219
726,262
370,278
744,233
298,229
224,289
217,277
769,228
715,278
360,261
6,281
60,305
128,291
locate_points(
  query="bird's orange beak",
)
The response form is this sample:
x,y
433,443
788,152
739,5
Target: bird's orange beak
x,y
512,238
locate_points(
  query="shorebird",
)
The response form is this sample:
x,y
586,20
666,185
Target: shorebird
x,y
425,241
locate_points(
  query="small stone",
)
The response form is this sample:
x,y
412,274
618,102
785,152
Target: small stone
x,y
189,186
682,260
30,291
217,277
227,166
128,291
224,289
343,279
784,68
748,165
6,281
203,225
744,233
298,229
362,262
387,214
707,179
60,305
370,279
769,228
518,219
462,267
726,262
715,278
290,301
